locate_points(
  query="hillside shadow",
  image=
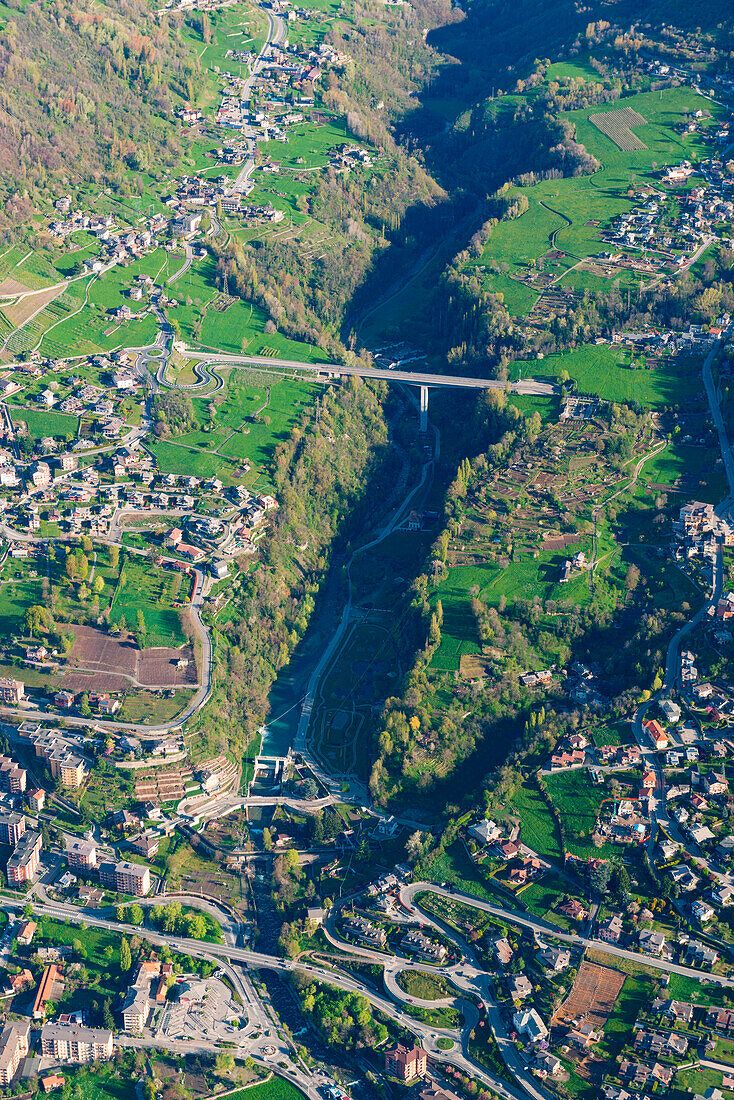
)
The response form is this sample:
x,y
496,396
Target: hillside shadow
x,y
484,53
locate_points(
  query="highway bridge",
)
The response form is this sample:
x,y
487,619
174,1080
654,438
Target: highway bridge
x,y
423,379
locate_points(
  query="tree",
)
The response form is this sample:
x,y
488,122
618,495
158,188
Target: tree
x,y
136,915
126,959
310,789
98,585
38,620
267,840
196,926
149,1092
599,876
114,556
108,1019
224,1065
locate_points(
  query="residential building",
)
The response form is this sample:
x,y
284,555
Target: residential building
x,y
11,691
14,1046
527,1022
519,987
23,863
13,778
37,800
651,942
555,958
611,931
416,943
81,855
126,878
136,1006
12,827
701,954
406,1063
75,1044
26,933
67,767
365,932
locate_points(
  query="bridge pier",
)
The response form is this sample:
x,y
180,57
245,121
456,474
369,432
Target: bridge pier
x,y
424,409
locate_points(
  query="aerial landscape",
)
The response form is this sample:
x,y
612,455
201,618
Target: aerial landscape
x,y
366,549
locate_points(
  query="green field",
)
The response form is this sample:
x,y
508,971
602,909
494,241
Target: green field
x,y
274,1089
42,422
174,458
142,587
91,331
539,830
15,599
603,370
578,801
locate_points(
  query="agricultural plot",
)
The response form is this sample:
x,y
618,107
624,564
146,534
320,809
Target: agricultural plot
x,y
100,662
619,125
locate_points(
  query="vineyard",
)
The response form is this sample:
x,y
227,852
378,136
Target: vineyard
x,y
617,126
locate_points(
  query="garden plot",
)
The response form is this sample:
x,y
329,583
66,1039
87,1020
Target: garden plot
x,y
592,998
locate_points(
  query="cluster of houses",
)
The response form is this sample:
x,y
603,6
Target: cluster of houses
x,y
116,245
697,532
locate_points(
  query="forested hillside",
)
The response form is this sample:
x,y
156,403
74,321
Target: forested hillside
x,y
87,94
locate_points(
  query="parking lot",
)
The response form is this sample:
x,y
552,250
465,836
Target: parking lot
x,y
204,1009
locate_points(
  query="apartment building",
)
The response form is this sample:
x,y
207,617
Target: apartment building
x,y
126,878
67,767
11,691
12,827
23,863
80,854
75,1044
14,1046
406,1063
13,778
